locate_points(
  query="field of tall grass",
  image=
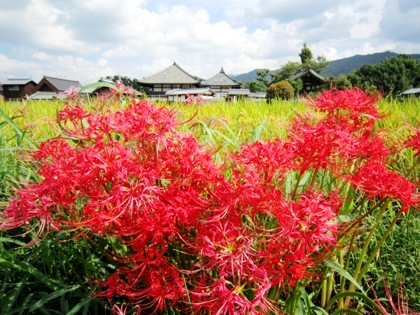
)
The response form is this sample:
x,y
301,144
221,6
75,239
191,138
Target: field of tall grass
x,y
62,263
239,121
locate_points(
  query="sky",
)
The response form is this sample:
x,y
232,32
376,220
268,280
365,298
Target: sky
x,y
85,40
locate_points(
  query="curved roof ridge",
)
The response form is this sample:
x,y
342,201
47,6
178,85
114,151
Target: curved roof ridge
x,y
173,74
221,79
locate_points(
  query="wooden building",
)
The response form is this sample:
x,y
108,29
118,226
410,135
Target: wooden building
x,y
17,89
312,81
173,77
221,83
50,88
50,84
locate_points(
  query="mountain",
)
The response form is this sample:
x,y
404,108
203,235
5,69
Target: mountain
x,y
335,67
247,77
346,65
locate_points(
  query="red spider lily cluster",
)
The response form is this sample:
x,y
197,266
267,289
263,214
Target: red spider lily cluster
x,y
203,237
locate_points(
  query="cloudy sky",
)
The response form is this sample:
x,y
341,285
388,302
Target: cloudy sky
x,y
87,39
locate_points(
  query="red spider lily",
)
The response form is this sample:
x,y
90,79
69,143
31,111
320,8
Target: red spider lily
x,y
354,101
375,180
152,282
306,231
339,139
235,296
413,142
72,92
122,88
123,308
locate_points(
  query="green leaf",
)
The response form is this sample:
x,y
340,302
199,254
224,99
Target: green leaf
x,y
52,296
256,134
78,307
337,268
362,296
11,240
20,135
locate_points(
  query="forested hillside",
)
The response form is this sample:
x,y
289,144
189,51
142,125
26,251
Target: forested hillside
x,y
336,67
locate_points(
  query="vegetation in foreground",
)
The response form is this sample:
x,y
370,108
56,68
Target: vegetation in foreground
x,y
122,209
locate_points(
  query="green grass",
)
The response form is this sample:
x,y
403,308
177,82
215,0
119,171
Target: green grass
x,y
243,118
36,118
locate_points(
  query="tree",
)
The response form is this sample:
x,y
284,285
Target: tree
x,y
289,69
281,90
262,76
297,85
305,54
257,86
391,76
342,83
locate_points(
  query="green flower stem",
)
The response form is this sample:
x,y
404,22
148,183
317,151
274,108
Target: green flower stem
x,y
378,246
361,271
364,250
324,293
297,185
342,279
314,175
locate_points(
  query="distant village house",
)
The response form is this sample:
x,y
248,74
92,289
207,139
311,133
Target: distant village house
x,y
53,88
17,89
311,80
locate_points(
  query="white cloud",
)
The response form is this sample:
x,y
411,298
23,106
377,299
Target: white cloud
x,y
12,68
87,39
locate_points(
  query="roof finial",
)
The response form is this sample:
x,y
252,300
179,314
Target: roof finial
x,y
222,71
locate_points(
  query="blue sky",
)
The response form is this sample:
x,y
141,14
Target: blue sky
x,y
88,39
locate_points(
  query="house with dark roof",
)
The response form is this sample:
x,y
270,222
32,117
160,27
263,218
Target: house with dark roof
x,y
50,84
221,83
17,89
311,80
170,78
53,88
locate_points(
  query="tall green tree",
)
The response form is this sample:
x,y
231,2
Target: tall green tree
x,y
257,86
305,54
391,76
263,77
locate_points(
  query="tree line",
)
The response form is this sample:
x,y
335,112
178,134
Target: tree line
x,y
391,76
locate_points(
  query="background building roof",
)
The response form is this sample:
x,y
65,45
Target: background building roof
x,y
307,72
21,81
221,79
174,74
61,85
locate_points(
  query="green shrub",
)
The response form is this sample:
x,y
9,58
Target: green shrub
x,y
281,90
